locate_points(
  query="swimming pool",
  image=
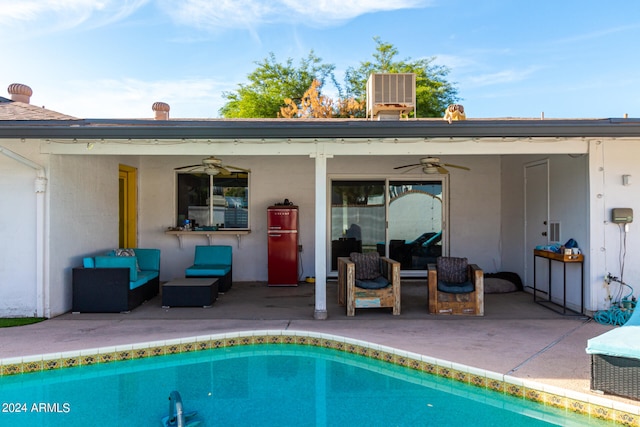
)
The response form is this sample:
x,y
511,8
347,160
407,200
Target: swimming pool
x,y
266,381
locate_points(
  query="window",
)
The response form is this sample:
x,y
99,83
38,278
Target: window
x,y
208,200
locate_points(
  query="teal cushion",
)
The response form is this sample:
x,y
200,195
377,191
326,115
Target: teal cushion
x,y
215,270
619,342
88,262
456,288
143,278
148,259
377,283
634,320
119,262
220,255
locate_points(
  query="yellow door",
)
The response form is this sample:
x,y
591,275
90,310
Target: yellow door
x,y
127,225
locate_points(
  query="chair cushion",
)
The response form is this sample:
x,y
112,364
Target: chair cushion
x,y
452,269
367,265
377,283
207,270
456,288
215,254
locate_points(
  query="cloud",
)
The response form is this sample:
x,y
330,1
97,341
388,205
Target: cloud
x,y
133,98
37,17
500,77
249,14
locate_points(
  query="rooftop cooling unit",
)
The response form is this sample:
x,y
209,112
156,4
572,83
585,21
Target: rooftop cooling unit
x,y
391,95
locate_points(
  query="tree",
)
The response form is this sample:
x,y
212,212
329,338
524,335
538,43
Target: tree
x,y
433,92
271,83
283,90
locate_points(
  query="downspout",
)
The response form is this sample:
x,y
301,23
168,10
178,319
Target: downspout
x,y
43,308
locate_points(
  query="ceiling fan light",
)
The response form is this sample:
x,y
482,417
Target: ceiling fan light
x,y
212,171
430,170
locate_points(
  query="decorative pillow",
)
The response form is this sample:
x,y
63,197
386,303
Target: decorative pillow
x,y
451,269
126,252
367,265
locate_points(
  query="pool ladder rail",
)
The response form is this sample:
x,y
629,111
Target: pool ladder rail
x,y
177,417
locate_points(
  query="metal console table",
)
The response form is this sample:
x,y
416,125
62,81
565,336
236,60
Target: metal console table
x,y
564,259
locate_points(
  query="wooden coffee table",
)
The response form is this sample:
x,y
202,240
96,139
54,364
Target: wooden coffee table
x,y
190,292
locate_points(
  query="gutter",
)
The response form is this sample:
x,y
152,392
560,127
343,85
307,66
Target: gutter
x,y
43,308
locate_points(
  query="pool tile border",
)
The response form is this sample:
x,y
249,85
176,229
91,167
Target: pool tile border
x,y
581,403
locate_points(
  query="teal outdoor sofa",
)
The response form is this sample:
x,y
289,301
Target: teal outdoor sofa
x,y
113,284
615,359
213,261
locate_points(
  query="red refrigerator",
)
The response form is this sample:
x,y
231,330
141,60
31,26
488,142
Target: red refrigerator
x,y
282,226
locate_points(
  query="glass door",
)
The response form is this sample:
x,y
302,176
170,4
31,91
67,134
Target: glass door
x,y
358,220
415,222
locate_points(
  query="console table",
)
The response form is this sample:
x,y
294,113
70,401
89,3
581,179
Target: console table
x,y
564,259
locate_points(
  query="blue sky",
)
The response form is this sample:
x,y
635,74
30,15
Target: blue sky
x,y
114,59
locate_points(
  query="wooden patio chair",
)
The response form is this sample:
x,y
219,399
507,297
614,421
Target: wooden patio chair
x,y
455,287
368,281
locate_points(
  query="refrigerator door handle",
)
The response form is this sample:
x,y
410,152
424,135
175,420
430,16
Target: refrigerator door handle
x,y
275,235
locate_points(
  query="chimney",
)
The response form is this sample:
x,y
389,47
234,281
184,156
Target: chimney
x,y
162,110
20,92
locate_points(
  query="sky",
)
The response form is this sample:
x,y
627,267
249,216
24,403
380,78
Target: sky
x,y
507,58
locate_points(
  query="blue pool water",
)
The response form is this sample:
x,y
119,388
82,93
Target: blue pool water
x,y
263,385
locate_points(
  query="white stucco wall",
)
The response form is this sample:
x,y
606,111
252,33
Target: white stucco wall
x,y
272,180
612,160
18,292
568,204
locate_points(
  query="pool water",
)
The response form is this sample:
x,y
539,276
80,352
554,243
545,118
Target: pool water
x,y
263,385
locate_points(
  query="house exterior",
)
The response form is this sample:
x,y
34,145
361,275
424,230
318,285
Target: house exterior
x,y
61,194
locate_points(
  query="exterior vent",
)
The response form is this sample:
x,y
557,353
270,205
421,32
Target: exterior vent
x,y
391,95
554,231
20,92
161,109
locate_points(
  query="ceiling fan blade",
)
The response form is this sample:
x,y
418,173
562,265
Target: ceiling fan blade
x,y
457,166
442,170
223,170
187,167
237,168
410,169
407,166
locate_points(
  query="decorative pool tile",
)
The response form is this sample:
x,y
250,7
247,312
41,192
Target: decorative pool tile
x,y
626,415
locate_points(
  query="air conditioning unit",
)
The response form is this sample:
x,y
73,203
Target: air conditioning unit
x,y
390,95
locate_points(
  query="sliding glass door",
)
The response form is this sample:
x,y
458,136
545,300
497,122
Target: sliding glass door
x,y
415,222
402,219
357,217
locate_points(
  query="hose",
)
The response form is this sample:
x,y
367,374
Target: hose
x,y
615,315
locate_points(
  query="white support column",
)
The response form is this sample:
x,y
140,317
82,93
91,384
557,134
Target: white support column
x,y
321,235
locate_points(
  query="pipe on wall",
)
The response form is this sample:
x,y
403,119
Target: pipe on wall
x,y
42,294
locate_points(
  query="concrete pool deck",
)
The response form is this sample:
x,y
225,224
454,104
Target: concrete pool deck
x,y
516,337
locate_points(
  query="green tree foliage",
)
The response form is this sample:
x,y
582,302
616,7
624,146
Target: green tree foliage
x,y
433,92
276,88
271,83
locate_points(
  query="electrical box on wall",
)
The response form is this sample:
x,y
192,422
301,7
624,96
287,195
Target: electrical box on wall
x,y
622,215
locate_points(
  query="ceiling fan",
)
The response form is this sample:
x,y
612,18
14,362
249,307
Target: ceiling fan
x,y
212,166
431,165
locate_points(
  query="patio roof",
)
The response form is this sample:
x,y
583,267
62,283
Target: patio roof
x,y
316,129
